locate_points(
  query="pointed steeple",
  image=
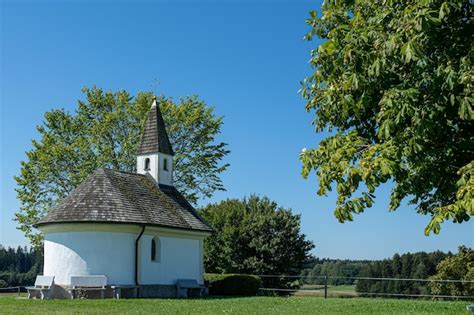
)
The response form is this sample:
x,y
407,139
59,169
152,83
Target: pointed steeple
x,y
154,138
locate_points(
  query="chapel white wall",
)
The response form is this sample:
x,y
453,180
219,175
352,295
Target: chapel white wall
x,y
157,170
99,249
180,258
165,176
90,253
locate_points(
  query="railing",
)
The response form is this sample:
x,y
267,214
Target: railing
x,y
325,286
16,289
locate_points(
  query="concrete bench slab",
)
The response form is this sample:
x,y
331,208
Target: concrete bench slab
x,y
88,283
43,285
183,285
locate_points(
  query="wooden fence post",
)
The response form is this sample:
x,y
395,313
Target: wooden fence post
x,y
325,286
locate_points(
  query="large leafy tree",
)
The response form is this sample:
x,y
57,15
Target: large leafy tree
x,y
105,131
254,236
393,84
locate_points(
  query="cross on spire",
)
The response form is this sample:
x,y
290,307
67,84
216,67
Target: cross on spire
x,y
155,84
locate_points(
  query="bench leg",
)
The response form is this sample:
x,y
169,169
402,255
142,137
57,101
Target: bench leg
x,y
42,294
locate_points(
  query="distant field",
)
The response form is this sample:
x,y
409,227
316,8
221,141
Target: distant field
x,y
333,290
250,305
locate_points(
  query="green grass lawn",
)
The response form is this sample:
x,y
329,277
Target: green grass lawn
x,y
249,305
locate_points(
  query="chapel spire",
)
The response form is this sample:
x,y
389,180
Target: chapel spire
x,y
154,138
155,154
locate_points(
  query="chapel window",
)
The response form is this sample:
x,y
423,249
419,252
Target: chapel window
x,y
155,249
147,164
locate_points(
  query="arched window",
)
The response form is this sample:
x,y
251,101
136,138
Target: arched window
x,y
155,249
165,164
147,164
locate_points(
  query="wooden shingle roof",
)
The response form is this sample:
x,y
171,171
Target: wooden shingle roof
x,y
109,196
154,138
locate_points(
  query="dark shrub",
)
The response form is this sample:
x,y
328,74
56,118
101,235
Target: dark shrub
x,y
233,284
3,284
9,277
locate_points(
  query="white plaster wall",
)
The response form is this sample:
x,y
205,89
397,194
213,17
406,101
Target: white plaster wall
x,y
156,167
90,253
165,177
180,258
153,165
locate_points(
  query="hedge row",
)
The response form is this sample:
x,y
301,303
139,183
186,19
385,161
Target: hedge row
x,y
232,284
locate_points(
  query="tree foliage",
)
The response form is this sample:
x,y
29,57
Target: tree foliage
x,y
19,266
393,83
254,236
105,131
457,267
343,271
420,265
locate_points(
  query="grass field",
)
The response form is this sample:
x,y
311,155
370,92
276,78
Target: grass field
x,y
249,305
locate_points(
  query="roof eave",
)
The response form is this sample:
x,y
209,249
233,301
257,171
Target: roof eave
x,y
207,231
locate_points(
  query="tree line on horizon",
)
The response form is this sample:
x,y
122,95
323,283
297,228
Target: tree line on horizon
x,y
436,265
418,265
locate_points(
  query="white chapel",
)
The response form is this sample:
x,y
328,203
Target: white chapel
x,y
137,229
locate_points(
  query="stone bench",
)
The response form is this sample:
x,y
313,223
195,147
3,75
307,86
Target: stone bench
x,y
183,285
88,283
43,285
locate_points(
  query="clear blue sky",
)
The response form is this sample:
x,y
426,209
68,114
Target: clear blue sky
x,y
246,58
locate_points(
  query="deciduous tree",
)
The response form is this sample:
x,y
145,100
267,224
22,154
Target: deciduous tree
x,y
254,236
105,131
393,83
457,267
